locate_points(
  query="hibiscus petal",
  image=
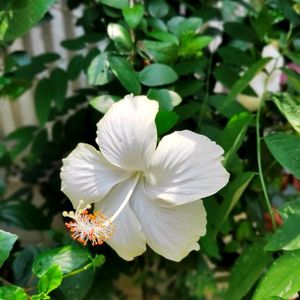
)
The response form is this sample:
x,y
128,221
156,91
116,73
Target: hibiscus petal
x,y
127,133
171,231
273,83
185,167
258,83
277,61
127,240
86,175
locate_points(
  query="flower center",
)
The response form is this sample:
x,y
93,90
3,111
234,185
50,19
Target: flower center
x,y
95,227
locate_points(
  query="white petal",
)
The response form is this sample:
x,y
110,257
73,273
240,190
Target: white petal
x,y
258,83
128,240
185,167
273,83
277,61
250,102
86,175
127,133
171,231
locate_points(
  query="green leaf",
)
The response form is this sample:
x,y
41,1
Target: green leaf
x,y
231,194
165,120
39,142
286,150
234,134
243,82
191,45
22,137
23,214
68,258
98,261
59,85
247,270
133,15
17,17
75,66
163,36
12,292
289,209
157,74
120,36
235,56
293,78
71,289
241,32
162,52
7,241
287,237
50,280
158,8
73,44
98,72
104,102
42,97
124,71
167,99
290,108
282,279
120,4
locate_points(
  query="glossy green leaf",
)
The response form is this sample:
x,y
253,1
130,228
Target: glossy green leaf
x,y
234,134
104,102
59,84
119,4
161,52
98,261
287,236
23,214
7,241
167,99
157,74
68,258
133,15
231,195
12,292
124,71
50,280
120,36
75,66
247,270
71,289
165,120
289,106
42,100
286,150
243,82
98,72
73,44
158,8
17,17
22,137
282,279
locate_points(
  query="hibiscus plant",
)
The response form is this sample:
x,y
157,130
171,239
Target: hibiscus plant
x,y
164,159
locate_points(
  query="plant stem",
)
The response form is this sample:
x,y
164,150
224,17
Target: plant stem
x,y
75,272
205,100
260,170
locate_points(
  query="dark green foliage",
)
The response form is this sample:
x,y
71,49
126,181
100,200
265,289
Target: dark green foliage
x,y
162,49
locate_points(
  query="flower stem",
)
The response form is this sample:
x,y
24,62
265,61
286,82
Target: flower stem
x,y
86,267
260,170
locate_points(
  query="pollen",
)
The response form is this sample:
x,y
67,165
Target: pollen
x,y
89,227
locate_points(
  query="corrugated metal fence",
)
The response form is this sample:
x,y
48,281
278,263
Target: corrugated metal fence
x,y
45,37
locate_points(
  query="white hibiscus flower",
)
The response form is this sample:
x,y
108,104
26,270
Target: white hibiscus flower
x,y
265,81
141,193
